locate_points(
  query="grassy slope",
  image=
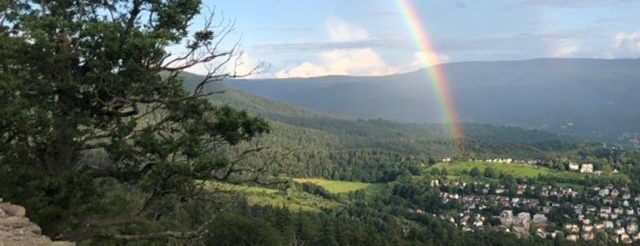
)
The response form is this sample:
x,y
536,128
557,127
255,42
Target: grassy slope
x,y
293,200
297,200
338,187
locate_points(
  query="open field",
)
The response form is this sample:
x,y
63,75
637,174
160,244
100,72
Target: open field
x,y
292,200
517,170
338,187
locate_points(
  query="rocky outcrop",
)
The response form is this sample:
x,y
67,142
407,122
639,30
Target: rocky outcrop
x,y
17,230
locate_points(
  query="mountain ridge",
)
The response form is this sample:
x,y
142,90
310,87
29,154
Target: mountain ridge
x,y
566,96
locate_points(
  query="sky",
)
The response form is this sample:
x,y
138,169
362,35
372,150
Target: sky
x,y
308,38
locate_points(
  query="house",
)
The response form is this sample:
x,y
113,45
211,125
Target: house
x,y
607,201
632,228
586,168
523,218
587,228
603,192
608,224
599,226
605,210
572,228
478,223
574,167
619,211
506,217
446,159
587,236
540,219
615,193
573,238
619,231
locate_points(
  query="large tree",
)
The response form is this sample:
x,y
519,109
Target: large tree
x,y
94,78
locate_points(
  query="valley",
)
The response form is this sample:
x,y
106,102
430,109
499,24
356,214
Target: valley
x,y
534,194
319,123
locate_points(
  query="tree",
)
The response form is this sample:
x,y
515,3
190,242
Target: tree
x,y
475,172
490,172
94,78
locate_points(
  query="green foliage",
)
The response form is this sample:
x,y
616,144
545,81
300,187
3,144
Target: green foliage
x,y
491,170
94,77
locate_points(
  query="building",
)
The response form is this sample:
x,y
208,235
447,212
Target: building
x,y
574,167
586,168
572,238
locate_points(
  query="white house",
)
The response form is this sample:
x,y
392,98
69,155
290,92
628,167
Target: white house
x,y
586,168
574,167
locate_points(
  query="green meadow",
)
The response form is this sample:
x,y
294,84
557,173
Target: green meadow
x,y
517,170
290,199
341,187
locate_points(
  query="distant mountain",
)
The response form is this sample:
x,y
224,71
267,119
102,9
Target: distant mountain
x,y
596,98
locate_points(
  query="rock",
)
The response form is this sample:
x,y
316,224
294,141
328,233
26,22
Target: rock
x,y
13,210
18,230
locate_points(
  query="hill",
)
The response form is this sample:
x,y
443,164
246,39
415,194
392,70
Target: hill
x,y
373,150
567,96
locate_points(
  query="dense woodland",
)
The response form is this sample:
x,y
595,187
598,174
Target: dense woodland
x,y
105,144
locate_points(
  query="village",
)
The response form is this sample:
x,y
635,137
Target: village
x,y
546,211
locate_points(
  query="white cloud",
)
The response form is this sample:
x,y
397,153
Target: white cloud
x,y
355,62
304,70
626,45
341,31
360,62
563,48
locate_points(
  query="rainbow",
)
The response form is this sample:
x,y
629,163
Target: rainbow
x,y
435,72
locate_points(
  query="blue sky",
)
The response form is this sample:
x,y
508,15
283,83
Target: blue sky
x,y
303,38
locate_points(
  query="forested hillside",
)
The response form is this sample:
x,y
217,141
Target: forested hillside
x,y
374,150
